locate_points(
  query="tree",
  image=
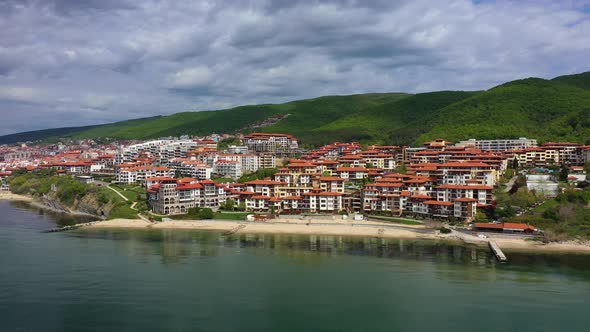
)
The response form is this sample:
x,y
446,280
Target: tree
x,y
563,173
523,198
514,164
567,212
401,169
205,213
225,143
242,206
509,173
229,204
194,212
481,216
259,174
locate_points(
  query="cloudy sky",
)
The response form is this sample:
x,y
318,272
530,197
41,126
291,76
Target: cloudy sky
x,y
79,62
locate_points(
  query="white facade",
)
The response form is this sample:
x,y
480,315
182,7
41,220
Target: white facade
x,y
499,145
237,149
162,150
229,168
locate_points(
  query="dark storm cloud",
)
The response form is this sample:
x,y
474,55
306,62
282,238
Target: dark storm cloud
x,y
78,62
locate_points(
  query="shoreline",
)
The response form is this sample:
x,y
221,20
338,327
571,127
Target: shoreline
x,y
8,196
319,227
357,229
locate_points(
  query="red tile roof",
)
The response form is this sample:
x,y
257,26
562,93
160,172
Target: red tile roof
x,y
445,203
190,186
511,225
330,178
159,178
265,182
294,198
420,196
488,225
461,186
465,199
323,193
465,164
351,169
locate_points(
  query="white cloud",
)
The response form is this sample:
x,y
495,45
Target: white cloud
x,y
101,61
191,77
22,94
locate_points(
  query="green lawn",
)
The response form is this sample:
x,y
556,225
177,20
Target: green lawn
x,y
132,192
546,205
122,208
230,215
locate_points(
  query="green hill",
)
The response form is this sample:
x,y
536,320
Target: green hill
x,y
557,109
579,80
533,107
397,122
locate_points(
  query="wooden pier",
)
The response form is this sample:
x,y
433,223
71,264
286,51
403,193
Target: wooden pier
x,y
497,251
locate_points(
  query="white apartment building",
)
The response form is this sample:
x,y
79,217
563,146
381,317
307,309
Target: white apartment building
x,y
228,168
191,168
273,143
499,145
141,173
237,149
162,150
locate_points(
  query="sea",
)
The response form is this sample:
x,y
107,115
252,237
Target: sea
x,y
179,280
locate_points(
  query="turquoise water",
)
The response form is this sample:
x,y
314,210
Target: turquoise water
x,y
155,280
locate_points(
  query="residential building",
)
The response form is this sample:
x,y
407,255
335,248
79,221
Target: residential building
x,y
279,144
499,145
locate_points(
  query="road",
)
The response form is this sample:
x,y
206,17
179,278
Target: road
x,y
510,184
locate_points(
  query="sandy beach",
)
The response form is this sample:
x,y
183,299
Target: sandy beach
x,y
331,227
284,226
522,245
321,227
8,196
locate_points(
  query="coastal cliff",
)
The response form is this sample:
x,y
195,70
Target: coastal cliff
x,y
86,205
65,194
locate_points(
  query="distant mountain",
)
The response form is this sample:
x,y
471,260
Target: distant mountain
x,y
557,109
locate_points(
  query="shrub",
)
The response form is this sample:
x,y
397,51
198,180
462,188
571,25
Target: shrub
x,y
205,213
194,212
103,199
551,236
444,230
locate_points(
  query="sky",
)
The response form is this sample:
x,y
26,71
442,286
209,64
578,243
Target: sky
x,y
81,62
